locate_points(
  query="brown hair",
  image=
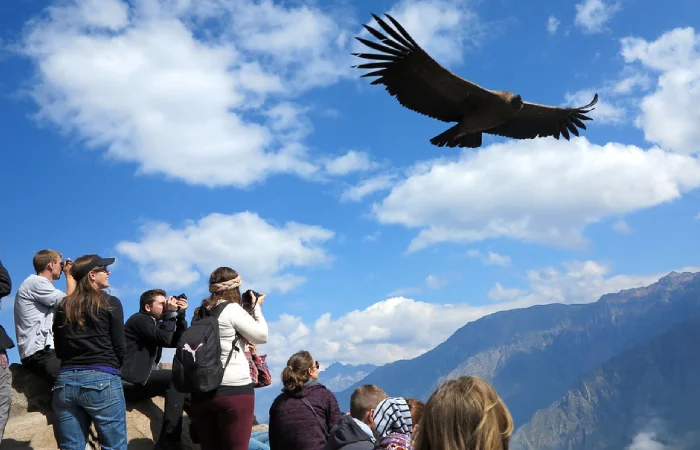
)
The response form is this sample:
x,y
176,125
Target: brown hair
x,y
364,398
466,413
297,371
148,297
232,295
86,300
416,406
42,258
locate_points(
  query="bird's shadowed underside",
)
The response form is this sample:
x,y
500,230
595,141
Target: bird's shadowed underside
x,y
422,85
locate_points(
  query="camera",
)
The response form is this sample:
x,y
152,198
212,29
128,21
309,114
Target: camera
x,y
249,299
180,297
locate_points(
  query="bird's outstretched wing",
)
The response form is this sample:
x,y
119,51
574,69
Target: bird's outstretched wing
x,y
535,120
417,81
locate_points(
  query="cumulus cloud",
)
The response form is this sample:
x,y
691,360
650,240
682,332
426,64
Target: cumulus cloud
x,y
368,186
444,28
399,327
552,25
592,15
213,106
352,161
554,190
605,112
669,115
179,256
622,227
491,258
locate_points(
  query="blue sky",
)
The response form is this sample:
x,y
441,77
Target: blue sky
x,y
179,136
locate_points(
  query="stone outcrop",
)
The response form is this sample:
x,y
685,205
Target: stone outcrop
x,y
30,424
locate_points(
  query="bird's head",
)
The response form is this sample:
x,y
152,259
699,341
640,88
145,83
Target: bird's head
x,y
516,102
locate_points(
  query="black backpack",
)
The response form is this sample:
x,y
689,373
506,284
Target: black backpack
x,y
197,364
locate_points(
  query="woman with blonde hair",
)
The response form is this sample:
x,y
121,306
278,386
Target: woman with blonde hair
x,y
303,414
89,338
224,416
465,414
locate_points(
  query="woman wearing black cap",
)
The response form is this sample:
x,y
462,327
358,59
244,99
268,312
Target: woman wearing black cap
x,y
89,338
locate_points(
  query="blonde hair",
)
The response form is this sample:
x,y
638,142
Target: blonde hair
x,y
465,414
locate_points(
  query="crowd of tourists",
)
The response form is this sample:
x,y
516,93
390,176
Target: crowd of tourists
x,y
95,361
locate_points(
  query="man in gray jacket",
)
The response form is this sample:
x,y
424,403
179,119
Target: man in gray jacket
x,y
355,431
35,303
5,344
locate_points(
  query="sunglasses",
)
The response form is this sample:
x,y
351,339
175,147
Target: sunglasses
x,y
317,365
100,269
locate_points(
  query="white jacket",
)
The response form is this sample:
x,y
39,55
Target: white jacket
x,y
235,321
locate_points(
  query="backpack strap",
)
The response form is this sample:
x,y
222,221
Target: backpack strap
x,y
318,419
216,312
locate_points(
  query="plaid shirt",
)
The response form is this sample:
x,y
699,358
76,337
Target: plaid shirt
x,y
259,372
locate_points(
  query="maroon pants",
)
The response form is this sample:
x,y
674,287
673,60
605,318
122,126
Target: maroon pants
x,y
225,422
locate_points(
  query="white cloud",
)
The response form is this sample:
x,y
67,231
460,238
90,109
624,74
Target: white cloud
x,y
592,15
208,106
634,81
435,281
552,24
265,253
401,328
443,28
697,217
622,227
646,441
498,293
554,190
491,258
604,112
352,161
367,187
669,115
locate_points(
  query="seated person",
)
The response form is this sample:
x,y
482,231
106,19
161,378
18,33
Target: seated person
x,y
35,303
465,413
393,424
355,431
159,323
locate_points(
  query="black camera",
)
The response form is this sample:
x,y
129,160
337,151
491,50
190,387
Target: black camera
x,y
180,297
249,299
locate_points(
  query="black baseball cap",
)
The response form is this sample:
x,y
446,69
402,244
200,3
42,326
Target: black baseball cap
x,y
97,261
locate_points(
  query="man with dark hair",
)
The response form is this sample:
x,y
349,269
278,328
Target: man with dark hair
x,y
355,431
35,303
159,324
5,344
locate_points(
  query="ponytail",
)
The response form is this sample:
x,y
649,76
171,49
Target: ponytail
x,y
296,374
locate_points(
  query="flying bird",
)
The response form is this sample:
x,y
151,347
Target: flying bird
x,y
422,85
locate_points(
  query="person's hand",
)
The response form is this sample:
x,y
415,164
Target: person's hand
x,y
67,266
171,304
261,300
252,348
182,303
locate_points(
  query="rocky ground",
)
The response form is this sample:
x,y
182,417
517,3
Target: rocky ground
x,y
30,417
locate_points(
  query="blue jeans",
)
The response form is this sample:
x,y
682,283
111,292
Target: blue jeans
x,y
259,440
82,396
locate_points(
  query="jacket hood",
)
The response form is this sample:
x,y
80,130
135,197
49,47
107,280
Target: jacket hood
x,y
346,432
310,385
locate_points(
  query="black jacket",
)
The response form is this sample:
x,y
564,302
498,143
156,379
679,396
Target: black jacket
x,y
347,435
145,339
5,289
99,343
5,282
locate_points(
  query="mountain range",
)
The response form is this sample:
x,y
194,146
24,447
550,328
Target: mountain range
x,y
535,356
649,394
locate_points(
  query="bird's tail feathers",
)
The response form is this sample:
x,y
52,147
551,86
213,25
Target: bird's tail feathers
x,y
452,138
